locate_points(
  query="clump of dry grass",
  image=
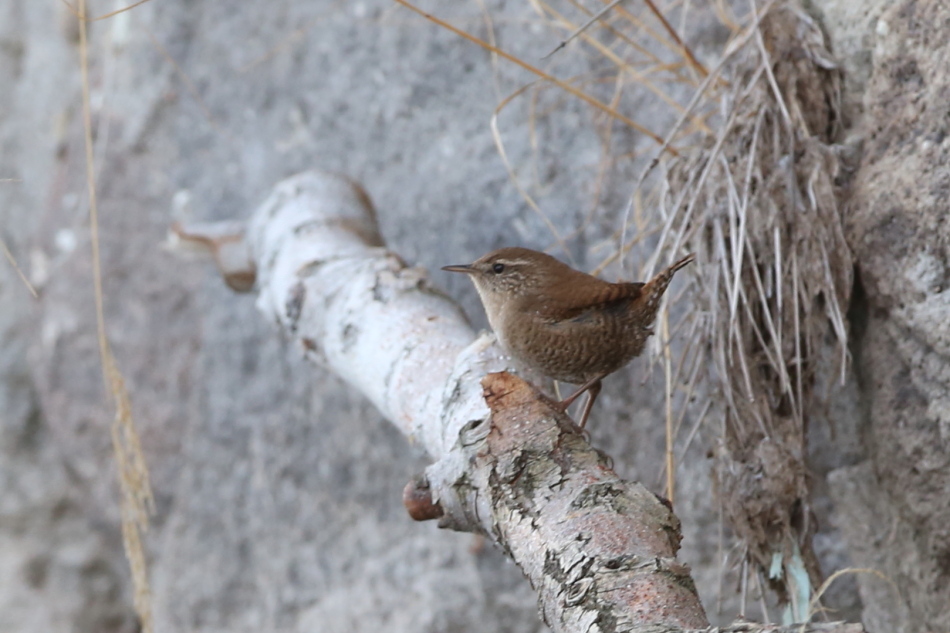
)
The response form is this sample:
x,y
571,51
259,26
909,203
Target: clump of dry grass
x,y
759,204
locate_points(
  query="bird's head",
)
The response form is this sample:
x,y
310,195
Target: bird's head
x,y
511,274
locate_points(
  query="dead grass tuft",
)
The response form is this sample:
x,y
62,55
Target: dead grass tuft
x,y
759,204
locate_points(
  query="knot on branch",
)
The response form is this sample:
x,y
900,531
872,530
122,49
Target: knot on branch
x,y
417,497
225,242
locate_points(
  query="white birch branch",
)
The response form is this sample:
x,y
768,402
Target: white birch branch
x,y
601,552
324,276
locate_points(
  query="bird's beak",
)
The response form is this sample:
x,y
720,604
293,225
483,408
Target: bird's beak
x,y
459,268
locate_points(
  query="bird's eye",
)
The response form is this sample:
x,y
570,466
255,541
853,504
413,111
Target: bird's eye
x,y
498,268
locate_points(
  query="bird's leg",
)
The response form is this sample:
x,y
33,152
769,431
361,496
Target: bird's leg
x,y
592,394
568,401
593,386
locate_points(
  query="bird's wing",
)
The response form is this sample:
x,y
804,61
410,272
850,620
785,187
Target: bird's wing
x,y
577,306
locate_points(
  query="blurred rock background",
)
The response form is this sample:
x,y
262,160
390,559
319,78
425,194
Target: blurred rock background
x,y
277,487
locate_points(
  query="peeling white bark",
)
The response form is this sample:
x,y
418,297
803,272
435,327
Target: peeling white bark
x,y
600,551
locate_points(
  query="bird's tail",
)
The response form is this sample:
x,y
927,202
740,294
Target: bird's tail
x,y
655,288
673,268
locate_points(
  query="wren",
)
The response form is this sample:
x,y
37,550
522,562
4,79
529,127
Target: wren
x,y
565,324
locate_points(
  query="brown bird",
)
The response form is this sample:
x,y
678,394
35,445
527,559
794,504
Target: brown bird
x,y
566,324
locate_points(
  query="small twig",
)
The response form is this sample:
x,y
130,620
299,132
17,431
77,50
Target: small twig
x,y
583,27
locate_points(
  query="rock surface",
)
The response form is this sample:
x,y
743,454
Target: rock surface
x,y
277,488
900,234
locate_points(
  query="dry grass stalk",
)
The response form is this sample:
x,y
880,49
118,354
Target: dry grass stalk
x,y
17,269
759,203
137,500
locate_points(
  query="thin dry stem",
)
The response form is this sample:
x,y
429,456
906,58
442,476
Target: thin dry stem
x,y
513,176
667,371
540,73
136,500
638,77
12,260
